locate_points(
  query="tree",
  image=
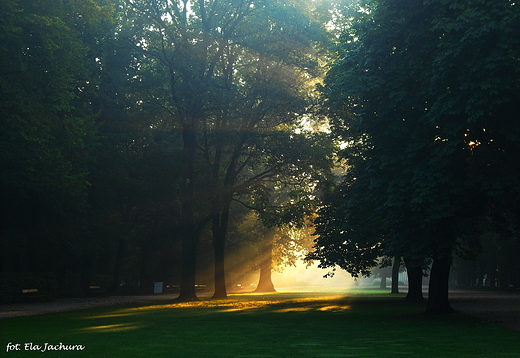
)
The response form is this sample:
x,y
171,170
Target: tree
x,y
395,274
284,243
233,76
48,132
411,109
265,260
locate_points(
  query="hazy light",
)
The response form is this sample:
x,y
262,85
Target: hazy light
x,y
301,278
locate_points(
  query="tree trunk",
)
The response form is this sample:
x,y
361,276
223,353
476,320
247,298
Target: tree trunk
x,y
395,274
438,290
189,231
219,250
86,274
189,265
116,277
415,276
382,285
265,283
220,223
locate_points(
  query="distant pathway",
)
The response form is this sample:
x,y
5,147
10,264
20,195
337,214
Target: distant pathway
x,y
502,308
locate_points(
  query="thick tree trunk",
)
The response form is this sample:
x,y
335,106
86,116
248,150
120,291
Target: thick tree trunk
x,y
189,266
220,224
395,274
415,276
189,231
439,281
265,283
220,279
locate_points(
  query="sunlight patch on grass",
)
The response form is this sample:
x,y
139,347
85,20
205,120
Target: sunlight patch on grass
x,y
255,294
113,327
246,305
227,305
317,298
334,308
242,302
294,309
110,315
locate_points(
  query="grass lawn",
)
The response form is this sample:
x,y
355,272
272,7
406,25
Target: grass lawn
x,y
270,325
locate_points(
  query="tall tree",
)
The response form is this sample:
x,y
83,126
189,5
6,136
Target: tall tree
x,y
48,128
421,92
235,77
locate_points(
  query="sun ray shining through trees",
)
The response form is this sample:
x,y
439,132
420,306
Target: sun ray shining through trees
x,y
232,76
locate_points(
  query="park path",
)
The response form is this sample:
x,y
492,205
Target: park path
x,y
73,304
502,308
499,307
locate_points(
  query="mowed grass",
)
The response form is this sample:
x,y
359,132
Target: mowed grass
x,y
270,325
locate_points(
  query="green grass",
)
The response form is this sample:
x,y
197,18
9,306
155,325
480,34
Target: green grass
x,y
275,325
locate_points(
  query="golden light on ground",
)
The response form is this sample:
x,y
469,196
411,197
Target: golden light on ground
x,y
334,308
277,302
294,309
111,315
114,327
249,305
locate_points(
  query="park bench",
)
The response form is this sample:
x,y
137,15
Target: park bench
x,y
96,291
32,295
172,289
177,288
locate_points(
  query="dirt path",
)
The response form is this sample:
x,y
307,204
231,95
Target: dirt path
x,y
502,308
498,307
73,304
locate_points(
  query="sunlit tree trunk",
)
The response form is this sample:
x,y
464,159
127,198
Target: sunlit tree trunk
x,y
265,283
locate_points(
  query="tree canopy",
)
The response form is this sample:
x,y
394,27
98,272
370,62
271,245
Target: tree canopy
x,y
420,93
48,128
